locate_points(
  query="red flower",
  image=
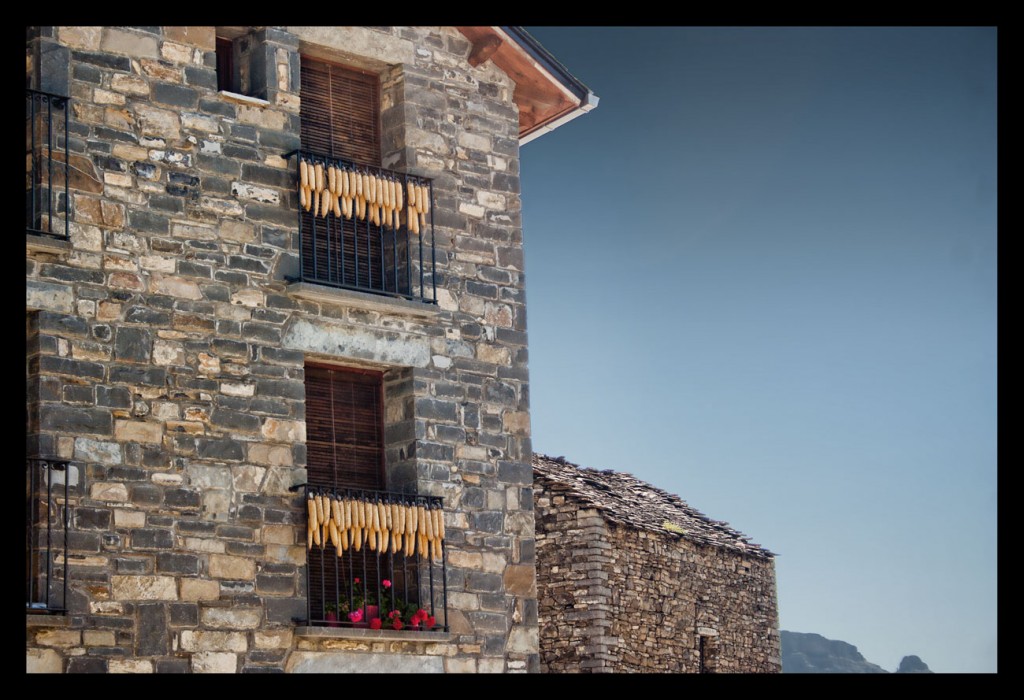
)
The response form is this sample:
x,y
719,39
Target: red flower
x,y
356,579
375,623
356,615
431,622
386,583
397,624
394,614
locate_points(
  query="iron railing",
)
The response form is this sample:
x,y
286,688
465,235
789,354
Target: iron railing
x,y
47,173
46,528
351,588
350,252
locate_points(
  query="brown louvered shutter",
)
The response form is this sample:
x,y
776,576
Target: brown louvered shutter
x,y
340,111
344,428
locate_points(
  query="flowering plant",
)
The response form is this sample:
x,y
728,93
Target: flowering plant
x,y
362,609
410,615
360,598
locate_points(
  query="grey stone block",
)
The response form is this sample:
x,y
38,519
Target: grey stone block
x,y
67,419
172,665
132,344
92,518
86,664
152,639
220,448
183,614
152,538
182,498
103,60
174,95
285,610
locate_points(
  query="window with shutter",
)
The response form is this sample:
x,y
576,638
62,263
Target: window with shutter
x,y
344,450
345,459
340,112
344,428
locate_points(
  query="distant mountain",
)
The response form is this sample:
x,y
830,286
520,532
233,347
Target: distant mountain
x,y
913,664
804,652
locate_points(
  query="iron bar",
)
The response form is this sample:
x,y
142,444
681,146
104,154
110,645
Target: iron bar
x,y
49,167
67,170
32,159
433,247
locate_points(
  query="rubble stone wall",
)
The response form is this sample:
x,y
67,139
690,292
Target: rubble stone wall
x,y
618,599
168,348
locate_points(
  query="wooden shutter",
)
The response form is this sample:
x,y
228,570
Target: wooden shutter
x,y
340,112
225,65
344,428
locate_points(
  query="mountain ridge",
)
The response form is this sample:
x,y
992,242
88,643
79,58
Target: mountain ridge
x,y
808,652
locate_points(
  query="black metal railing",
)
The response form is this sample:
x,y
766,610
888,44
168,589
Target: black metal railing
x,y
47,174
46,527
351,585
349,251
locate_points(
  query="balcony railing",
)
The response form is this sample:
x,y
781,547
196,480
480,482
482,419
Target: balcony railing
x,y
379,241
46,527
385,561
47,175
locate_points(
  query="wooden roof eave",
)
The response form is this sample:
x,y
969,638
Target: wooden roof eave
x,y
545,100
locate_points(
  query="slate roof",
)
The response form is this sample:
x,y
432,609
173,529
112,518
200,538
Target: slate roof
x,y
624,499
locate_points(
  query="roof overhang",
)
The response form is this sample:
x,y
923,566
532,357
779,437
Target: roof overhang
x,y
546,93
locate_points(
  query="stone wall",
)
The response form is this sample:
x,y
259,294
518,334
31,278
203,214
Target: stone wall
x,y
169,350
618,599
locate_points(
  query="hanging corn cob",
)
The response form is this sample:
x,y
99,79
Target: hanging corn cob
x,y
310,521
318,170
423,202
410,530
421,531
324,513
357,524
435,533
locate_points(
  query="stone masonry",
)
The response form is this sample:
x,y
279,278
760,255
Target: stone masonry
x,y
630,579
167,349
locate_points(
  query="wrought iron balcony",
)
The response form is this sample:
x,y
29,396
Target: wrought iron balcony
x,y
47,174
383,567
46,526
380,241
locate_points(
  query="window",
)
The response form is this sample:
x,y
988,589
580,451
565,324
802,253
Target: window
x,y
345,461
707,647
47,175
226,77
243,70
344,428
373,241
340,112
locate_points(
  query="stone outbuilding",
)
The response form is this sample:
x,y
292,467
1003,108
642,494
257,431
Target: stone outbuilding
x,y
633,579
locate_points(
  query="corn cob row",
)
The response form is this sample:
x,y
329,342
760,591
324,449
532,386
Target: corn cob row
x,y
384,201
383,526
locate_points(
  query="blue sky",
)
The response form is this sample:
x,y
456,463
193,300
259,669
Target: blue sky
x,y
762,275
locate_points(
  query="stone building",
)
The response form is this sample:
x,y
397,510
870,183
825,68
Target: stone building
x,y
632,579
266,264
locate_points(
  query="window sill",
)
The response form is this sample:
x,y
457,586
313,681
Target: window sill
x,y
45,244
243,99
368,635
362,300
46,620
